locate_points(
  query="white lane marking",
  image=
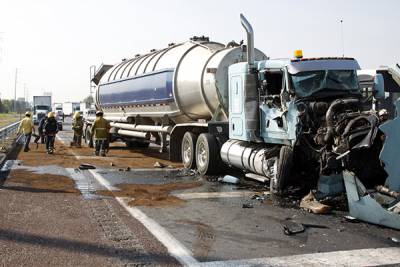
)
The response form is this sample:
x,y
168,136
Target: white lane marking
x,y
174,247
359,257
205,195
103,181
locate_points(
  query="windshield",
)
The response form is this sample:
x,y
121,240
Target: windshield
x,y
307,83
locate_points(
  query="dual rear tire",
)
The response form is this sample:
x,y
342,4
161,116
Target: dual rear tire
x,y
200,152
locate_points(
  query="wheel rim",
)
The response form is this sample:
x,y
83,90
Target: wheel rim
x,y
187,151
202,155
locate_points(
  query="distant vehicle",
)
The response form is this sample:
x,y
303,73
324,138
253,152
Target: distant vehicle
x,y
70,108
41,106
67,108
58,109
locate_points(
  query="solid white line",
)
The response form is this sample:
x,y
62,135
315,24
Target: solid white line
x,y
205,195
359,257
174,247
103,181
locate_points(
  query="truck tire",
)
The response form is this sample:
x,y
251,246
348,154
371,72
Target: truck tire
x,y
208,158
188,150
284,168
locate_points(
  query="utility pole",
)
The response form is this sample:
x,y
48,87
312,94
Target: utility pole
x,y
25,98
1,45
341,36
15,90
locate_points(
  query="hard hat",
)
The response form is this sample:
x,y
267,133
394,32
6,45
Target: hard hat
x,y
77,114
99,113
382,112
27,113
50,114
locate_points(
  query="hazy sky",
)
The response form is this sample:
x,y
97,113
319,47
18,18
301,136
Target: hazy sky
x,y
54,42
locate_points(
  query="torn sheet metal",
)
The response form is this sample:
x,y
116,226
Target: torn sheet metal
x,y
390,151
365,207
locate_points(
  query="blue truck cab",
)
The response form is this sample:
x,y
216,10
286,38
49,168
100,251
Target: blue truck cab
x,y
300,115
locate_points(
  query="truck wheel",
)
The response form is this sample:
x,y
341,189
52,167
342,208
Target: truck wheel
x,y
188,148
284,167
207,154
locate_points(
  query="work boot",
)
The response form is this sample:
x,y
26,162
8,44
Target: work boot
x,y
96,153
103,153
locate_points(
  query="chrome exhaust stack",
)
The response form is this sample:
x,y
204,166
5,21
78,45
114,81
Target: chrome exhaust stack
x,y
250,40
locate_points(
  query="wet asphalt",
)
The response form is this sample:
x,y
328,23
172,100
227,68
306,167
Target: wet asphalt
x,y
217,227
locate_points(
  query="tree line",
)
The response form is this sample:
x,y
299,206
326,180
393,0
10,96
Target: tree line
x,y
7,106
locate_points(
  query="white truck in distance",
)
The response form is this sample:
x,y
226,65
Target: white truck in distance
x,y
41,106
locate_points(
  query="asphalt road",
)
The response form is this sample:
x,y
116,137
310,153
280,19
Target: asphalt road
x,y
203,224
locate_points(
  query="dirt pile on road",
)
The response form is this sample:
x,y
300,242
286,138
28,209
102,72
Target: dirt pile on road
x,y
42,183
151,195
38,157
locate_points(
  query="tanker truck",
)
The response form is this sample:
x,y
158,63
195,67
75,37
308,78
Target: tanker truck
x,y
216,105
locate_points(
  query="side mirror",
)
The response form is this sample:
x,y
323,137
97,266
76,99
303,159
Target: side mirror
x,y
378,88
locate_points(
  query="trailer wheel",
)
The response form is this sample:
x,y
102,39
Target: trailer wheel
x,y
188,149
207,154
284,167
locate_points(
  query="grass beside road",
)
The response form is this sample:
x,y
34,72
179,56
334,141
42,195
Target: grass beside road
x,y
8,118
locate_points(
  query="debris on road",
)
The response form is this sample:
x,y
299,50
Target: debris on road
x,y
259,198
158,164
247,206
85,166
310,204
229,179
386,191
349,218
370,206
395,239
41,183
292,228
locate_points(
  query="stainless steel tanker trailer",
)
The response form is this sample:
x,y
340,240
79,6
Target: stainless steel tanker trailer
x,y
213,104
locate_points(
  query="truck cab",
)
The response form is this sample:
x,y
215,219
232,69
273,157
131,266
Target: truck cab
x,y
299,116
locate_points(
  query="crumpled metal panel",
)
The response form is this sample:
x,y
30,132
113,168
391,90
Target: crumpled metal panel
x,y
366,208
390,151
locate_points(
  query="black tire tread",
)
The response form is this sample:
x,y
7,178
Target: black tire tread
x,y
285,163
215,161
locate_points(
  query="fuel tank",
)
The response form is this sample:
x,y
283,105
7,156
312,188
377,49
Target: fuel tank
x,y
185,82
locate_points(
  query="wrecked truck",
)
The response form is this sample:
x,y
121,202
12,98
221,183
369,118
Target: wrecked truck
x,y
213,105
